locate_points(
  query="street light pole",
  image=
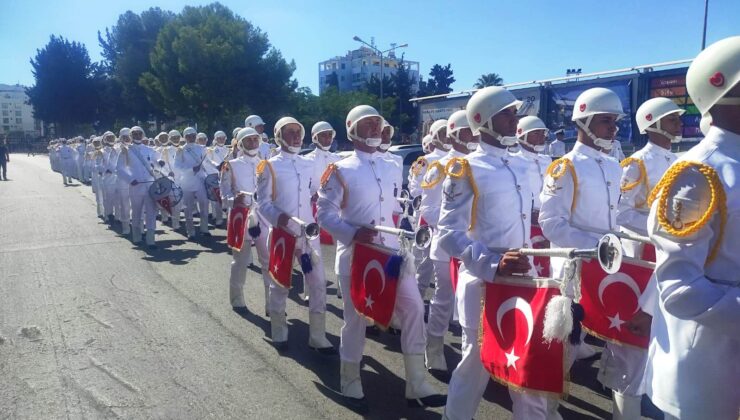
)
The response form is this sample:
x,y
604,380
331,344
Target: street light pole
x,y
704,33
380,53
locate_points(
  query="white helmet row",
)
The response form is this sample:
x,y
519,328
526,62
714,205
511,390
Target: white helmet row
x,y
321,127
426,143
434,130
253,121
486,103
277,131
593,102
457,121
356,115
652,111
244,133
124,132
527,125
713,73
189,131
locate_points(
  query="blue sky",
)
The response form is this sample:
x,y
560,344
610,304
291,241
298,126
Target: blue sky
x,y
520,40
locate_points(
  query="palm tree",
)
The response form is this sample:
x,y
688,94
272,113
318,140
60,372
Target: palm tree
x,y
490,79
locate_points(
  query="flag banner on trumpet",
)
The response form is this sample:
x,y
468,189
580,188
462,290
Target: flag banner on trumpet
x,y
512,347
611,300
454,270
372,287
236,227
541,264
325,237
164,204
282,247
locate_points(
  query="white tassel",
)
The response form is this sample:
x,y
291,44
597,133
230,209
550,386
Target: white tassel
x,y
558,319
408,268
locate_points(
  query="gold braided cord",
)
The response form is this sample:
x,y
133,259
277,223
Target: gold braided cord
x,y
557,169
261,168
418,165
434,182
717,203
332,169
465,171
643,174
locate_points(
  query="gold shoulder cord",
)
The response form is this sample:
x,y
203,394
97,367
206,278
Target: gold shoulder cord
x,y
419,163
431,184
261,168
718,202
464,172
557,169
643,179
332,169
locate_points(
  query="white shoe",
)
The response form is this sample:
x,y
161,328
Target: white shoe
x,y
278,329
349,379
626,407
435,357
317,334
419,393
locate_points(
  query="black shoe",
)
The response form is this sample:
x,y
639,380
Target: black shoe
x,y
152,247
358,405
435,400
280,345
241,310
372,331
325,351
206,234
394,331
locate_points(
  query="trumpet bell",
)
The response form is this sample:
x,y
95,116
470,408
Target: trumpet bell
x,y
610,253
404,195
423,237
416,203
312,231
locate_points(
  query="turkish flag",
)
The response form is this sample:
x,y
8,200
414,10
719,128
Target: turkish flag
x,y
372,289
236,227
541,264
164,203
282,246
610,300
512,348
454,269
325,237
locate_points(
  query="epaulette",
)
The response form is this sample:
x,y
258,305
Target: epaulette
x,y
261,169
678,227
459,168
332,169
627,186
556,170
419,164
327,173
440,176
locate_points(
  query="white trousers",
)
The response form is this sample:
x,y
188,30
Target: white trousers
x,y
443,300
424,270
109,194
409,312
142,202
241,261
315,281
98,189
122,203
218,212
622,368
190,198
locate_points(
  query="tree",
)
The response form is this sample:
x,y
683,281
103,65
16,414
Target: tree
x,y
406,117
64,92
489,79
213,67
443,79
126,50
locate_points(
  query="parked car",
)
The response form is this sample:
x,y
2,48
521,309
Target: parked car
x,y
409,153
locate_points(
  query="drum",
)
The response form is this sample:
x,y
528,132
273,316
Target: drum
x,y
165,193
213,190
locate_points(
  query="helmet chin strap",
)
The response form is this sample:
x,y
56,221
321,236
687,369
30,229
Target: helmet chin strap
x,y
504,140
605,144
536,148
659,130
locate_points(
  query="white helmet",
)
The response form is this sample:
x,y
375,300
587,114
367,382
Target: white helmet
x,y
434,132
253,121
652,111
219,137
320,127
357,114
244,133
385,146
161,134
705,124
714,72
525,126
125,131
235,131
174,137
282,122
188,131
592,102
457,121
426,143
137,128
486,103
174,133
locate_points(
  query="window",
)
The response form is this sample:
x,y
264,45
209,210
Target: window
x,y
17,113
376,63
6,121
5,106
333,66
342,66
364,63
386,65
5,113
19,121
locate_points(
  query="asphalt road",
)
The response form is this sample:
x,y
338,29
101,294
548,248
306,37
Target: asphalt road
x,y
92,326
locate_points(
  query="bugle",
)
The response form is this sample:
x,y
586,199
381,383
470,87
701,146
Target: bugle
x,y
422,237
621,235
405,198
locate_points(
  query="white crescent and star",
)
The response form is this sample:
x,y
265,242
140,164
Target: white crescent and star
x,y
615,321
280,243
373,265
238,217
523,306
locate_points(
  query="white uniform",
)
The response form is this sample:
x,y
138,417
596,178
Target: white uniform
x,y
266,150
169,156
66,157
122,196
468,228
693,369
80,160
616,151
321,160
240,174
216,155
98,170
109,179
193,187
136,163
537,170
556,149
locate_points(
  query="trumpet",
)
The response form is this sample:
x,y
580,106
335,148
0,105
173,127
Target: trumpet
x,y
310,230
405,198
608,253
621,235
422,237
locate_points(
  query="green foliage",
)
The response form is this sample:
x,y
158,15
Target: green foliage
x,y
64,92
489,79
443,79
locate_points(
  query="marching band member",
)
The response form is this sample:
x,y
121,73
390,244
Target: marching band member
x,y
122,195
694,355
239,175
556,149
80,150
442,145
284,191
170,147
136,167
66,157
386,136
97,175
531,133
582,188
235,150
486,204
255,121
442,302
322,136
190,162
216,155
109,176
359,188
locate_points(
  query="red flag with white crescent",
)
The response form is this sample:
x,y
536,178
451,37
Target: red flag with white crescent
x,y
541,264
236,227
454,270
610,300
282,247
512,348
164,203
372,289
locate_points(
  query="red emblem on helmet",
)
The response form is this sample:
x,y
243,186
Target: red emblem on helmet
x,y
520,131
649,117
349,123
582,107
477,117
717,79
452,126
